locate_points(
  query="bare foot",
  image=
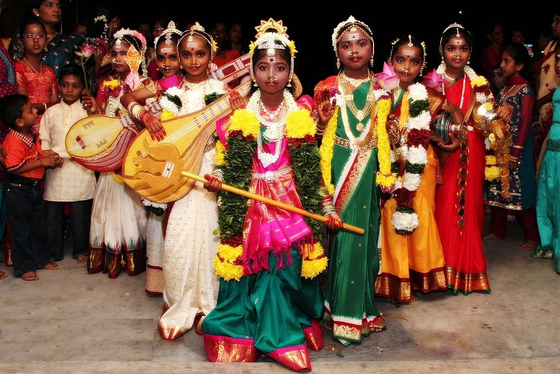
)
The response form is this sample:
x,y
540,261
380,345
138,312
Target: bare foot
x,y
81,259
529,245
3,275
30,276
489,236
51,266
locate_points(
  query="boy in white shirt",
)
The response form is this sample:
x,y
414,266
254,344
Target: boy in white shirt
x,y
71,184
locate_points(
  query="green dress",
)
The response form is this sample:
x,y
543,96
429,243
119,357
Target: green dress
x,y
354,259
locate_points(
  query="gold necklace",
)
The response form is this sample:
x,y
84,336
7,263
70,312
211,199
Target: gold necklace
x,y
356,81
360,114
39,73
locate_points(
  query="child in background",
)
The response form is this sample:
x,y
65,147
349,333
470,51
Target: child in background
x,y
520,183
72,183
35,79
169,65
118,241
25,163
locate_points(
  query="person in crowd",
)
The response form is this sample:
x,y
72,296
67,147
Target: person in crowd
x,y
105,24
153,68
190,287
72,183
61,47
548,184
459,199
117,242
492,53
7,87
545,84
410,245
169,63
515,190
34,78
220,34
25,164
355,158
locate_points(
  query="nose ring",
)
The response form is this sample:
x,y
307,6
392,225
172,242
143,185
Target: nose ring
x,y
352,53
404,70
114,61
197,64
163,66
275,78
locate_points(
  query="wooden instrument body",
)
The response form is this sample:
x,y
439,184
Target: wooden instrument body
x,y
153,168
99,142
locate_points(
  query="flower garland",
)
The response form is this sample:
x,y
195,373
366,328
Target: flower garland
x,y
415,151
111,88
171,102
385,178
235,162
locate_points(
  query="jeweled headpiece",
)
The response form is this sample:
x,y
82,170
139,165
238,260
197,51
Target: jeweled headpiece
x,y
271,35
132,37
167,33
197,29
458,28
351,25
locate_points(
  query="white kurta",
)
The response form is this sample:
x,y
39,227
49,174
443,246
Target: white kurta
x,y
190,286
71,182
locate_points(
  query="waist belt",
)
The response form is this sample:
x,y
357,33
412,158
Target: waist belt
x,y
271,175
14,178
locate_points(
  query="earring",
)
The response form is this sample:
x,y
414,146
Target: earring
x,y
255,84
337,64
371,61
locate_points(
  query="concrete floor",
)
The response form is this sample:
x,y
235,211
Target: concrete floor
x,y
73,322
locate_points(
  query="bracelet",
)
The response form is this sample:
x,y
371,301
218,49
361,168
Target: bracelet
x,y
517,146
134,109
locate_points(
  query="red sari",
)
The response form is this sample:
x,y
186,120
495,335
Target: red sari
x,y
462,246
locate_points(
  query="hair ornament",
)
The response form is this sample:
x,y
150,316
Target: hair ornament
x,y
458,28
271,35
100,18
267,39
197,29
351,25
410,41
395,41
141,49
167,33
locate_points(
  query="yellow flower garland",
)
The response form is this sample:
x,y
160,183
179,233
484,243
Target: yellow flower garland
x,y
385,178
326,151
227,262
299,124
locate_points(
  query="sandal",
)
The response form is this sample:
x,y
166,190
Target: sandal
x,y
538,252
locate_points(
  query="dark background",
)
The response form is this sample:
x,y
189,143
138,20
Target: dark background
x,y
311,28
